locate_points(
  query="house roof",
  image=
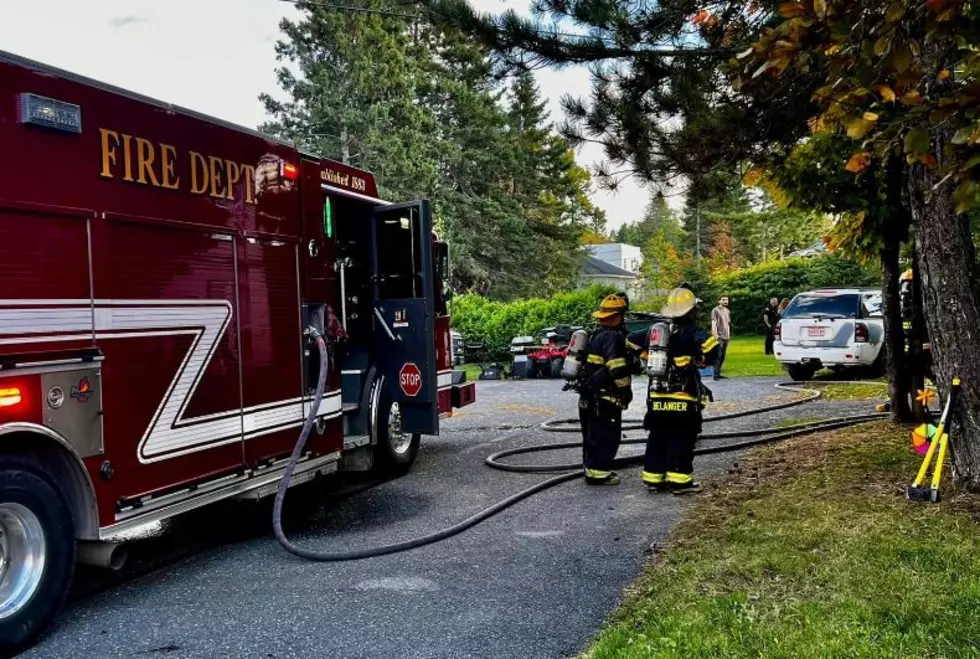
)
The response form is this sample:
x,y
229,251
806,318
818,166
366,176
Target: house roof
x,y
594,266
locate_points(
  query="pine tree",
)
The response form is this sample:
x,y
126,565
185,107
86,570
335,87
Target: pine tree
x,y
424,107
354,79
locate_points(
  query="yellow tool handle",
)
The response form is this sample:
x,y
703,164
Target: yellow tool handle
x,y
926,461
936,475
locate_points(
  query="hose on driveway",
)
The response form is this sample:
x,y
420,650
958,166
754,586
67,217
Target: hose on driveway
x,y
571,471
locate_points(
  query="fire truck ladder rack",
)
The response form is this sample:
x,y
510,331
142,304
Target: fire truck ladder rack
x,y
572,470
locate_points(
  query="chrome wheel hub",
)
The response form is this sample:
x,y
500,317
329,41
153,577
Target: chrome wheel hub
x,y
22,557
400,440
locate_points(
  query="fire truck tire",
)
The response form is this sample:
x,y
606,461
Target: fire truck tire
x,y
395,451
556,364
37,544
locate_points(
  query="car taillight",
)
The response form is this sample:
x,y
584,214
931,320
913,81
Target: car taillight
x,y
777,331
861,333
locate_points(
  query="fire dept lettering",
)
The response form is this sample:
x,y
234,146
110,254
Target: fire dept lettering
x,y
138,160
669,406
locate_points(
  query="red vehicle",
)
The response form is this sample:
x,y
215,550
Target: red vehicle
x,y
159,270
550,356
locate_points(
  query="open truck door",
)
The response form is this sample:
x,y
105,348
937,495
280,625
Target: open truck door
x,y
403,311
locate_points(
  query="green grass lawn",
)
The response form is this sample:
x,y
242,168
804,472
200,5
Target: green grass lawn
x,y
747,356
786,423
849,391
472,371
811,550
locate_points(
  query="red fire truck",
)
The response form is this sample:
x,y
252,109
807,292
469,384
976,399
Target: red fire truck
x,y
159,269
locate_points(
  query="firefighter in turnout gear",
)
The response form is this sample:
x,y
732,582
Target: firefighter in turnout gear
x,y
605,391
676,394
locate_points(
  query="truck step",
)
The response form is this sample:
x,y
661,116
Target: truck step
x,y
356,441
350,407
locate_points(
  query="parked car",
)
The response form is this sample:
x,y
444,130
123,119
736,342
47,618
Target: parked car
x,y
830,328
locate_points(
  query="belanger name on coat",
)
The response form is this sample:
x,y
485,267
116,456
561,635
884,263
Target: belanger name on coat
x,y
669,406
138,160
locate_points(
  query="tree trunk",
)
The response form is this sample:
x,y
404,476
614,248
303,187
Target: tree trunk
x,y
917,338
895,358
896,231
945,253
345,146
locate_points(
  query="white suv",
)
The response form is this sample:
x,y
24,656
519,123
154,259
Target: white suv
x,y
830,328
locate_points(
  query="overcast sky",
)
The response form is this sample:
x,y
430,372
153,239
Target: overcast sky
x,y
213,56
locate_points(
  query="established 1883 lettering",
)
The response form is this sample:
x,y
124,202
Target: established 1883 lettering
x,y
137,160
350,181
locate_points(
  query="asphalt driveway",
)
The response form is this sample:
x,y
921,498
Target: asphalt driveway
x,y
535,581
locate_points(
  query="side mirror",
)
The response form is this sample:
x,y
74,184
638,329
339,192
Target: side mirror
x,y
447,292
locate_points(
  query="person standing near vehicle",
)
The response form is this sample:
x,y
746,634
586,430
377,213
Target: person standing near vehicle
x,y
770,316
675,400
605,392
721,329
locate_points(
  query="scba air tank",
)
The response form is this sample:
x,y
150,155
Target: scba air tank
x,y
576,351
657,349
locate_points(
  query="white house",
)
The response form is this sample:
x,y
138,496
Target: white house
x,y
621,255
613,264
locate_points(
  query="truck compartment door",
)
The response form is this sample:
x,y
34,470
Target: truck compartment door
x,y
403,322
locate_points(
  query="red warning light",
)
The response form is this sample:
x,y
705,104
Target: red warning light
x,y
289,171
10,396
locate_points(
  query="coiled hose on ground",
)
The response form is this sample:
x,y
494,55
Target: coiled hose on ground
x,y
572,470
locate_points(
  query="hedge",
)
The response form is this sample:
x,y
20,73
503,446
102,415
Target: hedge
x,y
749,289
494,324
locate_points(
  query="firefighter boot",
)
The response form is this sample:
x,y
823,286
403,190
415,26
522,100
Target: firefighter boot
x,y
690,487
598,477
654,482
682,483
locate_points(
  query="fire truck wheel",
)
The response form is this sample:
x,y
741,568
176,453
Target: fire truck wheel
x,y
37,550
396,450
556,364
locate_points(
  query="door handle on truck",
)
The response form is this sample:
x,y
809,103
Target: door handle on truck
x,y
387,329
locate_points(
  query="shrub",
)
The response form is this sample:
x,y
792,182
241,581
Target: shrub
x,y
494,324
751,288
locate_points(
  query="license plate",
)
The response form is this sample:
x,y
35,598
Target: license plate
x,y
815,331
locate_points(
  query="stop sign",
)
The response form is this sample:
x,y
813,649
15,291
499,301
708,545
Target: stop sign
x,y
410,379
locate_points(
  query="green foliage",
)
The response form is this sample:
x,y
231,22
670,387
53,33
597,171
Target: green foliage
x,y
657,218
424,108
749,289
904,85
494,323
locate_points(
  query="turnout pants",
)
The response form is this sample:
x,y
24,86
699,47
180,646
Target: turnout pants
x,y
605,431
669,459
584,419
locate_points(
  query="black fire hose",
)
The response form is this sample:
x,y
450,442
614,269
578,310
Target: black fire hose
x,y
573,470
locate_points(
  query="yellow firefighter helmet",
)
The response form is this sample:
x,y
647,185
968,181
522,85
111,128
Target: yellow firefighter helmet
x,y
612,305
680,301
